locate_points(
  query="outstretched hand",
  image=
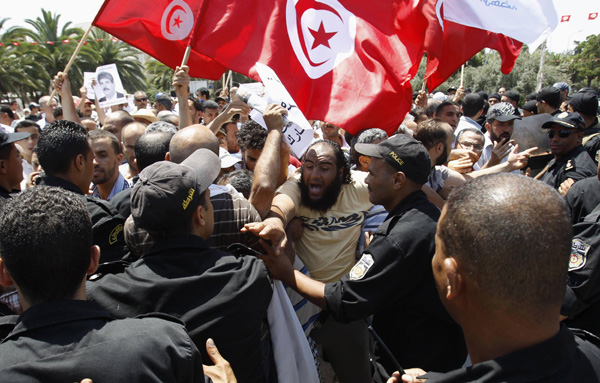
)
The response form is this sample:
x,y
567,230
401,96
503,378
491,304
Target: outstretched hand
x,y
221,372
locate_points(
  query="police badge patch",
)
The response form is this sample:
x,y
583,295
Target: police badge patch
x,y
360,269
579,250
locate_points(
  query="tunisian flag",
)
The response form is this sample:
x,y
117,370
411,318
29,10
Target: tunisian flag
x,y
448,48
162,29
349,64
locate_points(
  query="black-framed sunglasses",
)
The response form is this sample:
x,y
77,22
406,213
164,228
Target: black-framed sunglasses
x,y
560,133
142,99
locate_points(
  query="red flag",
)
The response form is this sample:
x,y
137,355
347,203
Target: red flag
x,y
347,64
162,30
16,44
592,16
565,18
50,42
447,50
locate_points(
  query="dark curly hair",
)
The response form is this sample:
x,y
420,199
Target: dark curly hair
x,y
251,136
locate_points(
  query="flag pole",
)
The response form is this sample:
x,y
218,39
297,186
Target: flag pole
x,y
186,55
462,74
72,59
227,82
424,84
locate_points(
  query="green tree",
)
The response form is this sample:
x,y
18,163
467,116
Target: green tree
x,y
50,52
586,62
102,49
160,76
17,71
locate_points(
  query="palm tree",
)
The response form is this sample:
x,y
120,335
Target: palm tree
x,y
161,76
50,52
103,49
17,70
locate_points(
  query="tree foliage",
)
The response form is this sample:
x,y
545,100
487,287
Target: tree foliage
x,y
586,63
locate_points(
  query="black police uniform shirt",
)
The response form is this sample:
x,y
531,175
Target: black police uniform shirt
x,y
216,294
582,297
577,165
565,358
66,341
582,198
394,281
591,140
107,223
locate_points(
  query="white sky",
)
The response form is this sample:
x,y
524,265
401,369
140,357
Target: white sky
x,y
84,11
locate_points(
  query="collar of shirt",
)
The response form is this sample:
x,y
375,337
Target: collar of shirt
x,y
55,312
58,182
167,243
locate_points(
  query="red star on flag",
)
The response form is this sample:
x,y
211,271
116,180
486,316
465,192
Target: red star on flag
x,y
592,16
177,21
565,18
321,37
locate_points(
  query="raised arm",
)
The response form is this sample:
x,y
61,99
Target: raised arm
x,y
181,82
231,110
63,88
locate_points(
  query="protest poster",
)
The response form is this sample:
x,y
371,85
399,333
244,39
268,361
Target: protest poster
x,y
109,88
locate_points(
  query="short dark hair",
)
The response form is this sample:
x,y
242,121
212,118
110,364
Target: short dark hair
x,y
204,92
58,111
45,242
151,148
251,136
27,124
492,226
197,104
431,132
431,107
59,144
441,107
340,159
210,104
106,75
114,141
240,179
6,150
165,101
8,110
472,104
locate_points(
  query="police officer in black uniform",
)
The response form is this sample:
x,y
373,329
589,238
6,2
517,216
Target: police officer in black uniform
x,y
571,160
216,294
586,105
393,279
68,162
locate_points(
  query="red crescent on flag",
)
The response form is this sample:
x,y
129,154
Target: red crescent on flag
x,y
303,6
592,16
175,8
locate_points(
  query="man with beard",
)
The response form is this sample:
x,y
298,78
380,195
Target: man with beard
x,y
108,155
393,278
499,127
332,203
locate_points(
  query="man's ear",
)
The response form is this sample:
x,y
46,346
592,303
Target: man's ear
x,y
454,286
439,148
94,260
5,278
199,216
79,162
120,158
398,180
364,161
3,168
168,156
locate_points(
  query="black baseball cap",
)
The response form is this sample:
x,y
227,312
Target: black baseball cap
x,y
566,119
166,195
9,138
403,153
502,111
585,103
530,106
549,94
513,95
496,96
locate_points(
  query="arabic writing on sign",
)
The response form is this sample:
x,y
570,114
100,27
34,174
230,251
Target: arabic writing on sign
x,y
497,3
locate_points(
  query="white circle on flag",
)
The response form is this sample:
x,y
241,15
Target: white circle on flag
x,y
177,21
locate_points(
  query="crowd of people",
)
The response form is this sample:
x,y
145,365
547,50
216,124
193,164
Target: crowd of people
x,y
463,243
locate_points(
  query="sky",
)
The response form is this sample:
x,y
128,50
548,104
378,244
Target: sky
x,y
84,11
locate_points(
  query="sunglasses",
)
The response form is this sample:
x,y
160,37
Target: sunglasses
x,y
142,99
560,133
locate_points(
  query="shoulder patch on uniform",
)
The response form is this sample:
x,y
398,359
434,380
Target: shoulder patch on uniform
x,y
579,250
570,165
360,269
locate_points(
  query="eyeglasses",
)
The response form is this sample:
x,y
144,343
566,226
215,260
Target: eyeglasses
x,y
560,133
142,99
471,146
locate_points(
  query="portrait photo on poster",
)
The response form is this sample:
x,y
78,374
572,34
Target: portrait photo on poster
x,y
109,88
